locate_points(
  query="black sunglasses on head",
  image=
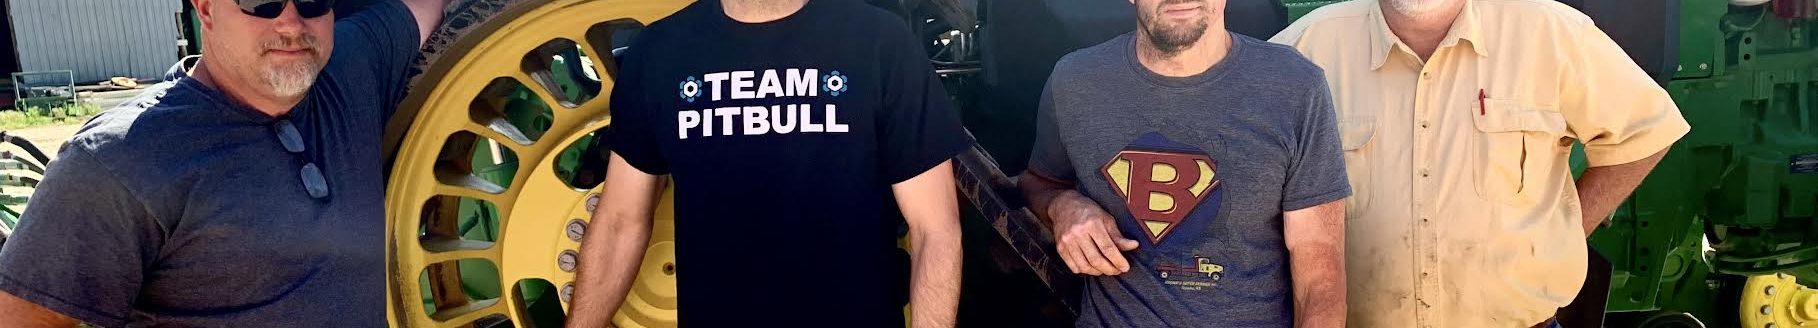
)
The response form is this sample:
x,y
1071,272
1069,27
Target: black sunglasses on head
x,y
269,9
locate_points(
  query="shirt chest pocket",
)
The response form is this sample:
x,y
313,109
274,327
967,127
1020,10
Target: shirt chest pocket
x,y
1355,134
1516,140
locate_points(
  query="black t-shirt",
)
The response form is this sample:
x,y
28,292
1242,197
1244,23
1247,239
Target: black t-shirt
x,y
783,139
184,209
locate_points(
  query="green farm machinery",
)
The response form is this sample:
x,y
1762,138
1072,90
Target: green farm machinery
x,y
1725,232
19,175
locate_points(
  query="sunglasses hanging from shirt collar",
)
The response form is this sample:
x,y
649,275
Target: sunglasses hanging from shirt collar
x,y
313,181
269,9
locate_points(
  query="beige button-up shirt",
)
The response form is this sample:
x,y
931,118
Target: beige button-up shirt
x,y
1464,212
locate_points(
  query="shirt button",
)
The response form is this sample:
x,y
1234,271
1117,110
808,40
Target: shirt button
x,y
1424,173
1423,124
1426,76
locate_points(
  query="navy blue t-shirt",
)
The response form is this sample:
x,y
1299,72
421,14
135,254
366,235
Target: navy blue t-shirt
x,y
183,208
783,139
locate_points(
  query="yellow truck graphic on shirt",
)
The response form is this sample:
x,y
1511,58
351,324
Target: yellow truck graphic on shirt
x,y
1202,267
1208,268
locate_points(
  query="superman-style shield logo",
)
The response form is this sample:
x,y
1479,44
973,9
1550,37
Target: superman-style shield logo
x,y
1162,182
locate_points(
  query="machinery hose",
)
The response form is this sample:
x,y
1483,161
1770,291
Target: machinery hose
x,y
30,149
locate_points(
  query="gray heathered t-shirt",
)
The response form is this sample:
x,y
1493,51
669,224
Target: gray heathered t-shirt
x,y
183,209
1212,159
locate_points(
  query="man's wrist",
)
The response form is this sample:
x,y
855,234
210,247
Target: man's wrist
x,y
1061,198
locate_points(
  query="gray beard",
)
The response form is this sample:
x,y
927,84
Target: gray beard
x,y
290,80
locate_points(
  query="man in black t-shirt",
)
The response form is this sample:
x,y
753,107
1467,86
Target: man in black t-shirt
x,y
789,128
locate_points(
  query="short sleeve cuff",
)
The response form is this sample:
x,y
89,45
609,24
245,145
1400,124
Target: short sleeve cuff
x,y
1319,199
953,147
1042,173
23,290
637,151
1640,146
648,166
395,11
1049,165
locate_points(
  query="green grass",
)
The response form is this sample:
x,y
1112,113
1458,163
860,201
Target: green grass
x,y
31,116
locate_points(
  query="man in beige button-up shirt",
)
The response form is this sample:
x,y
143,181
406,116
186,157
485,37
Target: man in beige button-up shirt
x,y
1457,119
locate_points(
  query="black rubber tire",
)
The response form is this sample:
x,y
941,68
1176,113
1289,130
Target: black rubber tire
x,y
465,23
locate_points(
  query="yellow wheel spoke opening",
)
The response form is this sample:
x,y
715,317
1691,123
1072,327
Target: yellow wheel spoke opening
x,y
484,211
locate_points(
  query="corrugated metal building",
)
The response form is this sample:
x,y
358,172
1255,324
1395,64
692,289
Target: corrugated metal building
x,y
97,39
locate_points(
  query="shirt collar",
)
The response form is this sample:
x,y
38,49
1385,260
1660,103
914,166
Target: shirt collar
x,y
1465,28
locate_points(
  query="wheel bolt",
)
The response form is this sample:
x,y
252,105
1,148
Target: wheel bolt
x,y
1766,310
567,260
1770,290
567,292
593,202
577,229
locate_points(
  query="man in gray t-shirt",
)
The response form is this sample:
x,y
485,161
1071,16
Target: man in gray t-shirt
x,y
1195,175
249,192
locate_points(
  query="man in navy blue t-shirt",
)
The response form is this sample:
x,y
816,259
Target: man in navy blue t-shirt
x,y
248,194
788,127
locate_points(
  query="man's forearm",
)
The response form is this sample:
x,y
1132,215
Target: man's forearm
x,y
930,206
934,284
429,16
608,265
1315,238
21,313
1602,189
1041,192
1319,286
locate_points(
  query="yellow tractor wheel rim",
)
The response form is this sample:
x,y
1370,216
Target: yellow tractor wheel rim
x,y
1778,301
537,211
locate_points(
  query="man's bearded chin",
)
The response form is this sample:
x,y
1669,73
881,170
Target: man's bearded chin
x,y
292,79
1171,39
1415,8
